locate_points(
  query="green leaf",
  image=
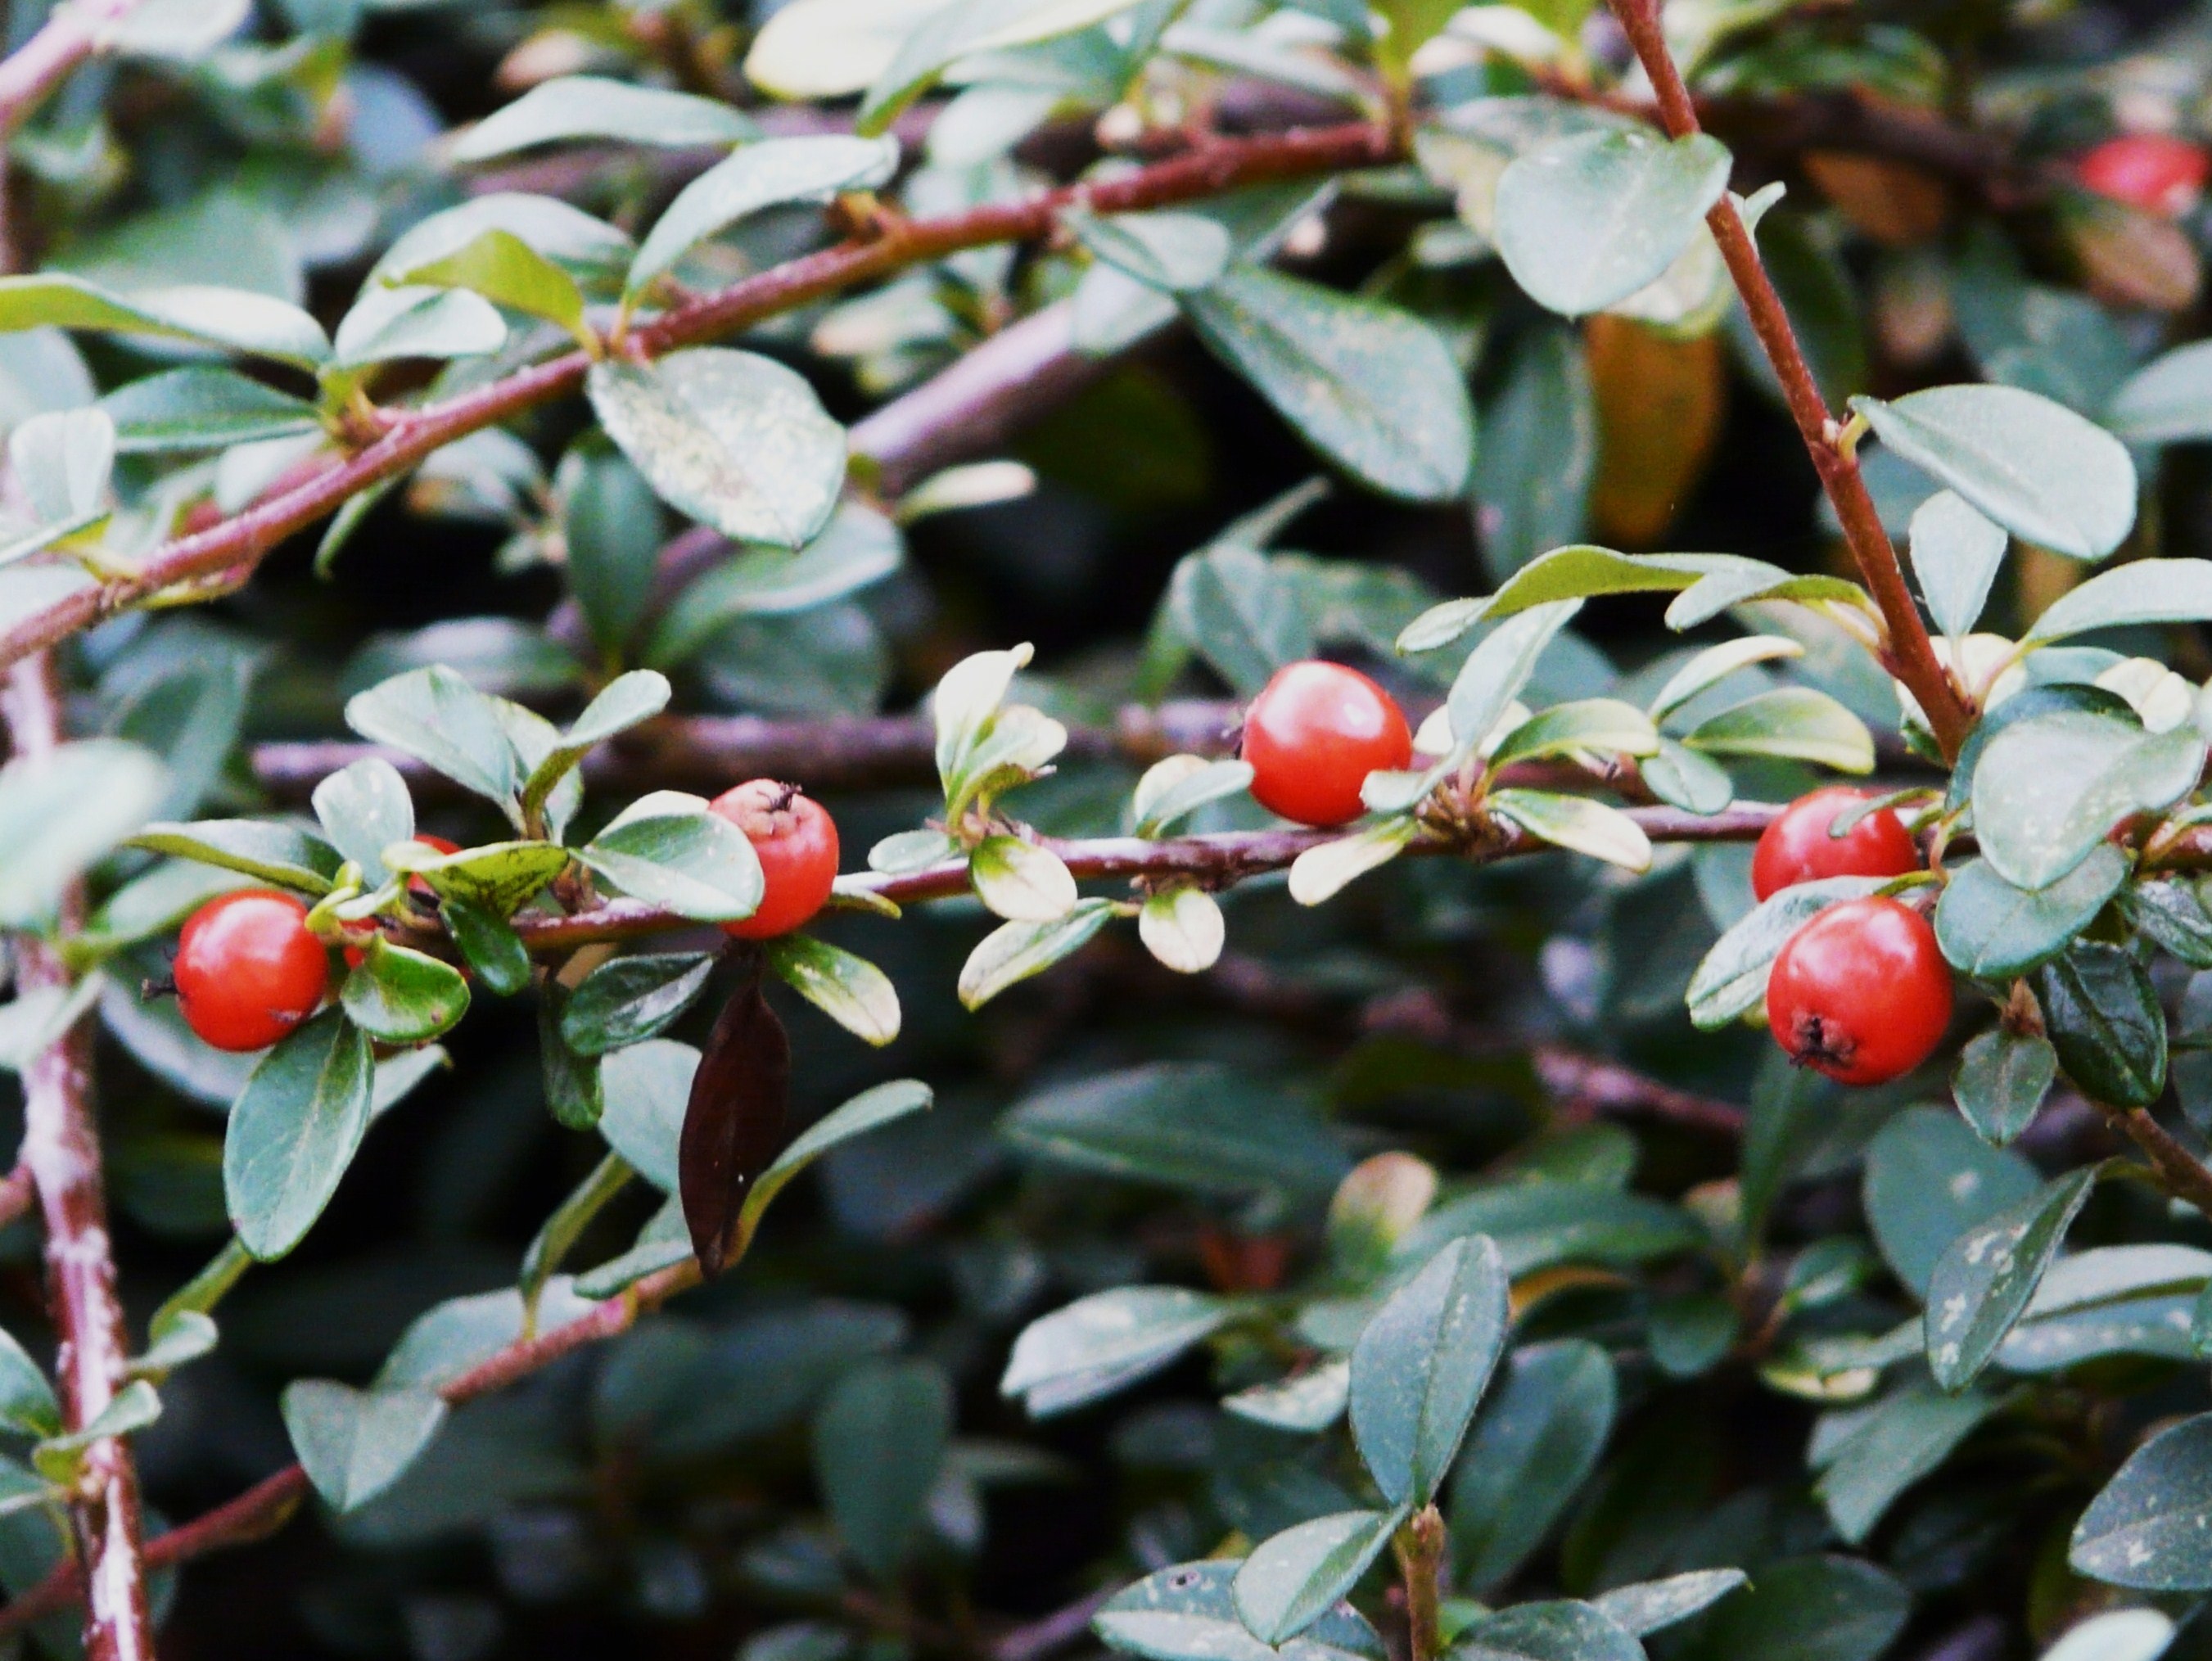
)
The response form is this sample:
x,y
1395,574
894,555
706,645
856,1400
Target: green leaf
x,y
271,852
611,527
1808,1609
1560,1630
1184,929
1732,977
762,175
2171,914
1879,1451
1291,1580
60,814
508,272
1955,554
1710,667
626,1000
1373,388
2168,399
857,547
1500,666
1791,723
1020,880
1240,613
2000,1080
880,1443
1015,950
27,1403
497,879
852,991
401,995
1580,824
585,107
1202,1129
1323,871
869,1110
389,323
2048,790
2146,1529
2110,1300
202,409
575,1091
1984,1280
948,33
59,1458
1652,1606
1993,931
621,704
1181,785
590,249
363,808
1301,1404
1583,222
1538,1224
2142,590
356,1444
734,440
1928,1180
237,318
1535,1444
294,1131
1602,724
647,1087
1421,1365
437,717
2035,467
663,1242
2103,1018
493,949
1187,1612
667,849
1539,453
1682,778
1173,252
1103,1343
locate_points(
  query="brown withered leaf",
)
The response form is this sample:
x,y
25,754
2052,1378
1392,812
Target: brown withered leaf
x,y
1661,402
1897,205
733,1125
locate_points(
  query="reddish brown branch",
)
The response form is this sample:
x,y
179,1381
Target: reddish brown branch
x,y
73,33
61,1149
1914,654
18,1194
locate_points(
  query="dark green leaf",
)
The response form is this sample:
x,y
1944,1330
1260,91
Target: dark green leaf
x,y
1986,1277
1292,1579
880,1444
401,995
1928,1179
627,999
2103,1019
294,1130
2000,1080
202,409
574,1092
1421,1365
1993,931
2147,1528
1534,1445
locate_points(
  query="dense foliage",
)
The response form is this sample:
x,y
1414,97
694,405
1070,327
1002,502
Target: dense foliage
x,y
482,480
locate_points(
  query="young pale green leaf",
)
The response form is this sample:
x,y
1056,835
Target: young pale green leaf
x,y
1583,222
1682,778
1291,1580
1732,978
354,1443
880,1443
1887,1448
1578,824
621,704
497,880
1650,1606
1174,253
61,461
1956,552
852,991
261,849
590,249
1993,931
2034,466
586,107
668,850
434,715
1985,1281
388,323
1535,1444
363,808
202,409
1015,950
763,175
2000,1080
2167,400
1021,881
1605,725
293,1132
1305,1404
1373,388
943,35
2048,790
1326,869
1099,1344
1710,667
27,1403
1558,1630
1181,785
1184,929
400,995
1791,723
2146,1528
507,271
1500,666
736,441
906,852
966,701
1187,1612
1421,1365
2102,1015
237,318
2142,590
869,1110
59,1458
626,1000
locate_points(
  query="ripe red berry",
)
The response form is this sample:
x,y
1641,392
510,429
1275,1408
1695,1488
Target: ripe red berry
x,y
2154,171
1798,848
1314,734
247,971
1861,993
797,842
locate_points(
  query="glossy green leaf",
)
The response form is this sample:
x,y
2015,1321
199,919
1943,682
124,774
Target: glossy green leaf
x,y
1021,881
2110,1300
2168,399
1576,823
1583,222
1181,785
270,852
202,409
27,1403
1292,1579
364,808
590,249
1421,1366
1015,950
1534,1445
1868,1456
646,1086
586,107
626,1000
1099,1344
356,1444
1650,1606
852,991
2103,1018
1956,553
1538,1224
621,704
1928,1180
2048,790
1791,723
387,324
400,995
2001,1081
941,36
2170,913
437,717
1556,1630
1187,1612
2147,1528
1500,666
575,1093
1732,977
1303,1404
497,879
294,1131
611,530
1985,1278
1240,613
880,1442
507,271
2142,590
61,813
237,318
1993,931
667,850
763,175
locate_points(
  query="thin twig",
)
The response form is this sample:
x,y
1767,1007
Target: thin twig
x,y
62,1150
1052,1632
230,550
1914,654
2182,1173
75,31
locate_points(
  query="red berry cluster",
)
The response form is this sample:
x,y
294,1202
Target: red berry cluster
x,y
1861,992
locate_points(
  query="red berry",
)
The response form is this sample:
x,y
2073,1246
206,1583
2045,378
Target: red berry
x,y
247,971
2154,171
1314,734
1797,848
1861,993
797,842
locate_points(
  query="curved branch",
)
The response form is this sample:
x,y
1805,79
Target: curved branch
x,y
228,552
74,31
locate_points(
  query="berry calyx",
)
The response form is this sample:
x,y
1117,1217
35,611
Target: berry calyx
x,y
1799,845
247,971
1314,734
1861,993
797,842
2155,172
416,887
